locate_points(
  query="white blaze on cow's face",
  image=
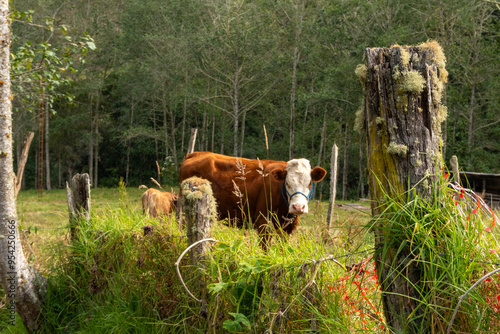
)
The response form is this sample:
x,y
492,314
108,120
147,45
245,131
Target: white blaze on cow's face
x,y
298,184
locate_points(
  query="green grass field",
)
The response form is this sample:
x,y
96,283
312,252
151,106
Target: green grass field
x,y
44,220
102,273
115,279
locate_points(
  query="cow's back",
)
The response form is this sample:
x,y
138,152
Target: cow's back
x,y
230,176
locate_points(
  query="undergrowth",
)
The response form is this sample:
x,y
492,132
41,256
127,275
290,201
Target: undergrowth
x,y
119,275
446,238
115,279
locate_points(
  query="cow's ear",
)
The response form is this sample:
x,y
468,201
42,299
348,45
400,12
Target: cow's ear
x,y
279,174
317,174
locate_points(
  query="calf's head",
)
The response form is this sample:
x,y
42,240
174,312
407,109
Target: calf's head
x,y
297,180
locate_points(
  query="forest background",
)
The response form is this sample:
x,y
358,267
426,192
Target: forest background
x,y
121,83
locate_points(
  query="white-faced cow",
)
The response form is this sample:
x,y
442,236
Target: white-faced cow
x,y
256,191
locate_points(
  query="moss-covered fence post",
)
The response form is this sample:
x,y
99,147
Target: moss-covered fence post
x,y
78,201
402,118
199,211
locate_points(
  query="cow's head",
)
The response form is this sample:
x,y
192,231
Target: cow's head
x,y
298,177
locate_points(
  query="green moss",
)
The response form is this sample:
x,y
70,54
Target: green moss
x,y
413,82
396,73
379,120
398,149
415,59
359,121
194,188
362,73
439,117
438,57
442,114
405,57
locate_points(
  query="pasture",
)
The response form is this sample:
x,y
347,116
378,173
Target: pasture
x,y
116,279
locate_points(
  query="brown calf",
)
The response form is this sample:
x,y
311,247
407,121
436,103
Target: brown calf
x,y
157,203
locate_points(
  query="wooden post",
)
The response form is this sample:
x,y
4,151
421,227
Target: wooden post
x,y
455,169
22,161
333,185
199,211
402,121
192,140
78,201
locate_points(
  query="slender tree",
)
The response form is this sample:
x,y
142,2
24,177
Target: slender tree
x,y
22,283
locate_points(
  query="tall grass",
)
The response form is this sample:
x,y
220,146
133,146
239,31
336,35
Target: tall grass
x,y
444,238
115,279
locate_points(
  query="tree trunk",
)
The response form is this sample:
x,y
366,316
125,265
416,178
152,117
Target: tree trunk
x,y
184,110
23,286
242,138
236,111
165,131
41,137
322,142
22,161
172,129
403,116
212,146
296,56
91,140
59,173
156,138
47,153
299,12
345,178
322,153
96,155
127,171
204,132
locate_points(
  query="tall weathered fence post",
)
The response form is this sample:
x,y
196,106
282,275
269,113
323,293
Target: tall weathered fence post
x,y
199,211
333,185
402,120
78,201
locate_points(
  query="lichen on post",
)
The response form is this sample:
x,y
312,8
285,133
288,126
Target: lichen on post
x,y
199,211
402,118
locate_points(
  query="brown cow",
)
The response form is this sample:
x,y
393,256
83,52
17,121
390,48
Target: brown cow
x,y
157,203
256,191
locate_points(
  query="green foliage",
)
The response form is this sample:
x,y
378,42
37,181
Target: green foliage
x,y
444,239
161,68
38,68
235,325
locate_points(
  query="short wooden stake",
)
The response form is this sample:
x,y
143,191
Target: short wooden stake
x,y
192,140
199,211
78,201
